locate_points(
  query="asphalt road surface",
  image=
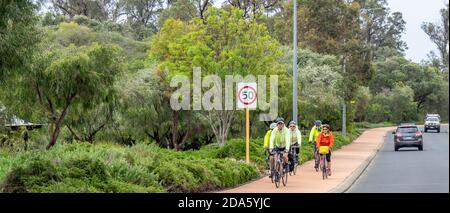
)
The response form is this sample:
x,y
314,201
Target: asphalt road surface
x,y
408,170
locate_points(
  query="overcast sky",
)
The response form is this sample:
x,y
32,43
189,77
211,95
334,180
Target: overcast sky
x,y
414,12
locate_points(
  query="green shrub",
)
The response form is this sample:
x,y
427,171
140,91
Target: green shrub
x,y
23,179
235,148
86,168
176,178
108,167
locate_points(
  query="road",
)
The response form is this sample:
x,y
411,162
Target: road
x,y
408,170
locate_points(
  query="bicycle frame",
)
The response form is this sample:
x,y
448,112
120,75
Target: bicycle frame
x,y
279,172
323,166
295,156
294,153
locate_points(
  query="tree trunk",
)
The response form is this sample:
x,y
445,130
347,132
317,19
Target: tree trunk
x,y
220,122
180,146
54,135
91,136
74,134
175,117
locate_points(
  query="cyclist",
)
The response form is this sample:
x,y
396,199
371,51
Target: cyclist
x,y
267,136
267,140
315,131
295,139
279,142
326,138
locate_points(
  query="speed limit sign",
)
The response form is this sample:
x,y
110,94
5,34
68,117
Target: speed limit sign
x,y
247,95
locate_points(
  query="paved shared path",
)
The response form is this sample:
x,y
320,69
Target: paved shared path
x,y
347,163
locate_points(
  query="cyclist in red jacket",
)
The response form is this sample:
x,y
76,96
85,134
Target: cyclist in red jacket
x,y
326,138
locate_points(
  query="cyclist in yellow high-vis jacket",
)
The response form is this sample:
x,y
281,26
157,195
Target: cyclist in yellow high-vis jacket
x,y
296,141
267,136
279,142
315,131
266,143
295,135
313,135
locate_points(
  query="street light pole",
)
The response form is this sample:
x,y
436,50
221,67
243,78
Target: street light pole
x,y
344,105
295,71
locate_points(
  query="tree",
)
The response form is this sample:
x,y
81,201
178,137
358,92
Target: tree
x,y
438,101
401,102
252,8
379,109
85,123
330,28
225,44
72,34
185,10
363,98
396,105
424,80
101,10
18,35
80,33
142,15
62,78
379,28
320,88
143,112
181,10
438,33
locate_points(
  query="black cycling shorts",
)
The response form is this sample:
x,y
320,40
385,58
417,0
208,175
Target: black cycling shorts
x,y
328,156
278,149
297,150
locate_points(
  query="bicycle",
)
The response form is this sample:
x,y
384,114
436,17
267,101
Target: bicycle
x,y
316,159
323,151
267,154
279,174
316,156
295,157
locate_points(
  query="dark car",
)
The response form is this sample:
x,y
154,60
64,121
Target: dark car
x,y
408,136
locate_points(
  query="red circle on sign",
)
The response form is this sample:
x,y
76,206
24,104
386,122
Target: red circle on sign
x,y
245,102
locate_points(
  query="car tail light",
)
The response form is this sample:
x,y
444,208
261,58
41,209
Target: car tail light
x,y
418,134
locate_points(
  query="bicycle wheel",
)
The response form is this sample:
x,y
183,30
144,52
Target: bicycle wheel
x,y
316,161
324,168
277,179
295,164
276,175
292,153
285,173
270,172
319,164
271,178
288,170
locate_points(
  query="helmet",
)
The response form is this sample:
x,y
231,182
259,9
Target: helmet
x,y
318,123
327,126
279,120
273,125
292,123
